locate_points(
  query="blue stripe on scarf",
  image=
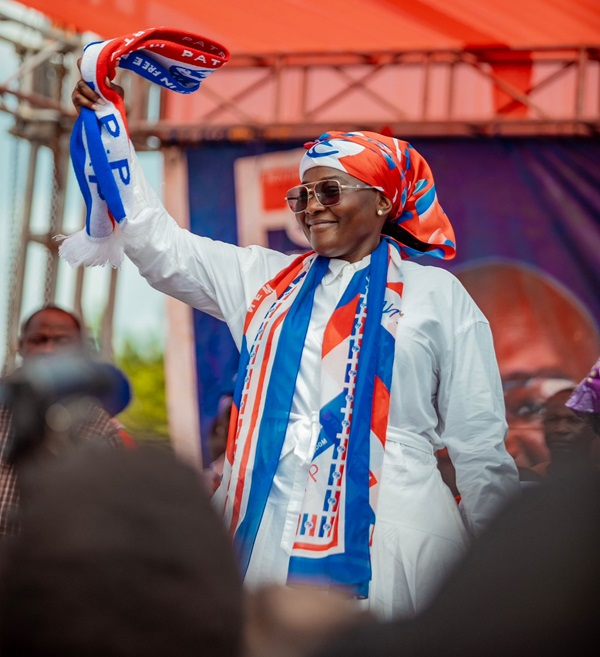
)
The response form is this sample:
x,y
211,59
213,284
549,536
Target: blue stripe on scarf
x,y
78,159
103,172
277,406
353,567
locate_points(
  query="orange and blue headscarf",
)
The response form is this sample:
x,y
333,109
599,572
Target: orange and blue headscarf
x,y
402,175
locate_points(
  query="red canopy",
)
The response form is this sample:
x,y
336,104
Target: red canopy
x,y
274,26
507,48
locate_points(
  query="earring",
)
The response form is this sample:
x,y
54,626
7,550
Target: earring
x,y
380,212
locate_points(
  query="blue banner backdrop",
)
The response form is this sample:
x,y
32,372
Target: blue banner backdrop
x,y
526,213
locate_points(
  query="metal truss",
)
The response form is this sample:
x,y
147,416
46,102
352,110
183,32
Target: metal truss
x,y
294,96
417,93
286,97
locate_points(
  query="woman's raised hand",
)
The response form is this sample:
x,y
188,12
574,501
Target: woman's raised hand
x,y
84,96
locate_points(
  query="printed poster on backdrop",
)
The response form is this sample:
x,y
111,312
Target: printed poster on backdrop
x,y
526,213
263,216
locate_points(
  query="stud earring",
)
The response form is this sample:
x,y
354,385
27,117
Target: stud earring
x,y
380,212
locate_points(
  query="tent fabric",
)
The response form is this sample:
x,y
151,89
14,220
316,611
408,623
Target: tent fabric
x,y
504,34
275,26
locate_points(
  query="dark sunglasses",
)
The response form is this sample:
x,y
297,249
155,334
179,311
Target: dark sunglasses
x,y
328,193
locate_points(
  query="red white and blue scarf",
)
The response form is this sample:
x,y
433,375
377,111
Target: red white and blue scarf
x,y
338,512
101,150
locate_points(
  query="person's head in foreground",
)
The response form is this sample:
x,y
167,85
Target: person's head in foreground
x,y
357,186
529,586
120,554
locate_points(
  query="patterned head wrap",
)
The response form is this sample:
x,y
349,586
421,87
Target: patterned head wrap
x,y
403,176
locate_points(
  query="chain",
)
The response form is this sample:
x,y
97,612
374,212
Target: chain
x,y
50,282
15,217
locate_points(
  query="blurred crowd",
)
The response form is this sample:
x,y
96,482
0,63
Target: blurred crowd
x,y
112,548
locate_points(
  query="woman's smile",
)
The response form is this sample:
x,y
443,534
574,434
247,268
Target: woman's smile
x,y
320,225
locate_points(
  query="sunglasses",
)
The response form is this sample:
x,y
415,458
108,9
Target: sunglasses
x,y
328,193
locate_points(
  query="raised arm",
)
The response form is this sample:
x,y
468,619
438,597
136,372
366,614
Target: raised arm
x,y
218,278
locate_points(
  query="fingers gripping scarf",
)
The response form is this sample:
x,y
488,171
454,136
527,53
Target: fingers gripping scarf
x,y
401,174
338,512
100,146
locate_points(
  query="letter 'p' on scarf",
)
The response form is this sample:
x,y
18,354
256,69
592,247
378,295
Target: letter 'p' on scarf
x,y
101,150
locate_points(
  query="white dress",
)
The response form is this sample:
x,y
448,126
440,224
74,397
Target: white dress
x,y
446,392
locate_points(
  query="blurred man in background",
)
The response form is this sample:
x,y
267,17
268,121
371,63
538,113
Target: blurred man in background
x,y
30,424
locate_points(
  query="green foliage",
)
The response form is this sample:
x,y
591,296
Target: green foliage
x,y
145,419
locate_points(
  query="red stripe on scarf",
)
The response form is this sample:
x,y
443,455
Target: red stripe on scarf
x,y
339,326
279,284
233,421
380,413
239,491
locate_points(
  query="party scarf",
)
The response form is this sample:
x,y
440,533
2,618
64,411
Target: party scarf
x,y
338,513
101,150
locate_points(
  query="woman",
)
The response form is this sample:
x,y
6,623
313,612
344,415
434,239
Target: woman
x,y
356,366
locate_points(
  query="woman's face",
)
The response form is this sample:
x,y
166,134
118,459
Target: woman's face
x,y
349,230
